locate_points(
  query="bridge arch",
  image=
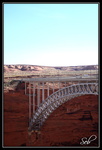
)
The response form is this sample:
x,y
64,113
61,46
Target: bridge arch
x,y
56,99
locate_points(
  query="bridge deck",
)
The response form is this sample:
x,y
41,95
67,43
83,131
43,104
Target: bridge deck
x,y
57,79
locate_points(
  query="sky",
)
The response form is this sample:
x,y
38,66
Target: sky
x,y
51,34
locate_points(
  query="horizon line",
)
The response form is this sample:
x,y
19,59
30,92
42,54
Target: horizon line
x,y
51,66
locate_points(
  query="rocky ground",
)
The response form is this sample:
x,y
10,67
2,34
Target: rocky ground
x,y
66,126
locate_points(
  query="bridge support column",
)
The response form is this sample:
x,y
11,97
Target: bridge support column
x,y
33,97
42,91
48,89
65,89
38,95
29,101
59,85
53,87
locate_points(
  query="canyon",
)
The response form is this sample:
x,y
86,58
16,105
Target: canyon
x,y
65,127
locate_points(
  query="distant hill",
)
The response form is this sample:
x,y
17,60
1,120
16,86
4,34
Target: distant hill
x,y
33,68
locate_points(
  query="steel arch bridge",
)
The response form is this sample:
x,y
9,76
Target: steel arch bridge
x,y
56,99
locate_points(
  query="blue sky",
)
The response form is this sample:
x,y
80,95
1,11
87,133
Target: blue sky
x,y
51,34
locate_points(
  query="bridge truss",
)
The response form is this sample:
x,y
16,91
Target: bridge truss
x,y
47,94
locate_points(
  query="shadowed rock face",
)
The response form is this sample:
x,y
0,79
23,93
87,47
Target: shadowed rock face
x,y
12,68
66,126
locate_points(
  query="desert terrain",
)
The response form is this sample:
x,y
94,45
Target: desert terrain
x,y
65,127
23,71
